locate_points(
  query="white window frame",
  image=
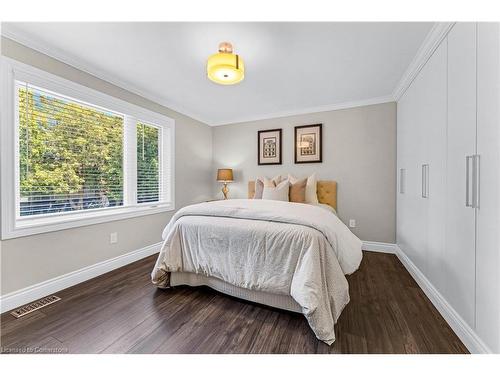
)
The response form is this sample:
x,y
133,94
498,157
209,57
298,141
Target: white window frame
x,y
12,225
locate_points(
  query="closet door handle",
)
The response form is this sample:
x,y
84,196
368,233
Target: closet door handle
x,y
402,181
475,186
425,180
468,181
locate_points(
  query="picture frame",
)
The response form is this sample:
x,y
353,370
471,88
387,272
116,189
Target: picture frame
x,y
269,147
308,144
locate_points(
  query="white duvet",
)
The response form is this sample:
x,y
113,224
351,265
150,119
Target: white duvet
x,y
277,247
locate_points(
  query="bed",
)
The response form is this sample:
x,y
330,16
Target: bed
x,y
291,256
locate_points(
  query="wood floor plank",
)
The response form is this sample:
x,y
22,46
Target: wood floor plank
x,y
81,302
176,323
171,306
238,319
122,312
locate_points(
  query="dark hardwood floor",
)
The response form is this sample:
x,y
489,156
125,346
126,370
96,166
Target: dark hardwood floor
x,y
122,312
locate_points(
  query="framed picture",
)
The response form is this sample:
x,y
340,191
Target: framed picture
x,y
269,147
308,144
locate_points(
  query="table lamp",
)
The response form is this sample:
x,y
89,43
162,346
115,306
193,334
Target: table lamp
x,y
225,176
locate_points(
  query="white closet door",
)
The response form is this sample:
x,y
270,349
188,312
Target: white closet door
x,y
488,220
401,165
418,204
427,98
411,211
405,155
460,220
435,173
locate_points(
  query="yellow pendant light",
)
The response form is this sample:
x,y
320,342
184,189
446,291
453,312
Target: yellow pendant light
x,y
225,67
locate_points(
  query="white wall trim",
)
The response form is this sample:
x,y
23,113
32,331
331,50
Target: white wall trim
x,y
20,297
470,339
9,31
429,45
304,111
379,247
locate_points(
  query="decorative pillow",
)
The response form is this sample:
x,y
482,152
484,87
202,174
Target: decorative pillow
x,y
311,186
259,188
278,193
272,182
297,191
260,182
268,182
278,179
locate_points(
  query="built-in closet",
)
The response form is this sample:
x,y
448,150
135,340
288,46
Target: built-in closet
x,y
448,124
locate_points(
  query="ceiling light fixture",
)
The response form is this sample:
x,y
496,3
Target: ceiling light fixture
x,y
225,67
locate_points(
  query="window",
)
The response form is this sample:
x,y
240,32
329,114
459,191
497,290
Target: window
x,y
148,163
78,156
70,154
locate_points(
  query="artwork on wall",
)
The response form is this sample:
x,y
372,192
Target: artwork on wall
x,y
269,147
308,144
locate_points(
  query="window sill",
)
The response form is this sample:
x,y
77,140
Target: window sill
x,y
31,226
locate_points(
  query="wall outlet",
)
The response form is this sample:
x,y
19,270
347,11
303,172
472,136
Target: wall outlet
x,y
352,223
113,237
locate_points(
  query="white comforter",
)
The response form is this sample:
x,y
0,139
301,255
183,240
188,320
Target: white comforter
x,y
278,247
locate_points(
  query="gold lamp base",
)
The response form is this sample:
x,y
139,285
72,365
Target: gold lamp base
x,y
225,190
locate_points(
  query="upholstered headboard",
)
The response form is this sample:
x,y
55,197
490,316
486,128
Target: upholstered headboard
x,y
327,192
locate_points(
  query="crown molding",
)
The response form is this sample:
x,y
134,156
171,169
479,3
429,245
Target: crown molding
x,y
305,111
435,36
12,33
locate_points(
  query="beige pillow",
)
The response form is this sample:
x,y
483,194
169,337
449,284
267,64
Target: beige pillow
x,y
277,193
311,186
297,191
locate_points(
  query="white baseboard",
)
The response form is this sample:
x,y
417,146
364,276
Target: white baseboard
x,y
20,297
379,247
470,339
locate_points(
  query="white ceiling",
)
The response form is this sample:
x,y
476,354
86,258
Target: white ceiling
x,y
290,67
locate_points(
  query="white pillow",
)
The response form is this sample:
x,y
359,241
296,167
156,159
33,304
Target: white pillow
x,y
278,193
272,182
260,182
311,186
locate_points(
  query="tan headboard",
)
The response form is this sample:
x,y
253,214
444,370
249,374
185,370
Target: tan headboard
x,y
327,192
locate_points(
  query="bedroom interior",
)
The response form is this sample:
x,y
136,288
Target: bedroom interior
x,y
250,188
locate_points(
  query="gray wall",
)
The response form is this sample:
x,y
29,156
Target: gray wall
x,y
29,260
359,152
